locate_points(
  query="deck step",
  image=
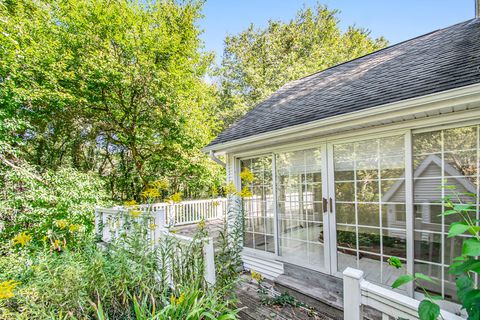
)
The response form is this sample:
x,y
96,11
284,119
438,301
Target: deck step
x,y
319,298
318,290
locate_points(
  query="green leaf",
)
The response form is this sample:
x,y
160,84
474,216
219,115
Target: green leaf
x,y
427,310
471,247
421,276
464,207
457,228
448,212
402,280
464,286
395,262
464,266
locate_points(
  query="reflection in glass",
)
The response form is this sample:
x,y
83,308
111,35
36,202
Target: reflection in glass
x,y
445,165
258,208
370,209
299,195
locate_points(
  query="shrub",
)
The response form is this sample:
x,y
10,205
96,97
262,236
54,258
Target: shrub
x,y
54,209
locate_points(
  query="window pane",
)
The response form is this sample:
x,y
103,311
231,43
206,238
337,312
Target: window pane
x,y
299,177
394,243
369,214
376,185
446,165
259,207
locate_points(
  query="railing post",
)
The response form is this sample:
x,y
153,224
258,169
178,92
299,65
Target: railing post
x,y
159,221
352,294
209,256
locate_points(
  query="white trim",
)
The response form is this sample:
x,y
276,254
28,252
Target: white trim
x,y
327,244
454,119
276,220
331,213
427,103
409,212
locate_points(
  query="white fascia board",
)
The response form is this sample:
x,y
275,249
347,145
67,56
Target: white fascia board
x,y
458,96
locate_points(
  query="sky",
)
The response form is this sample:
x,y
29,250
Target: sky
x,y
396,20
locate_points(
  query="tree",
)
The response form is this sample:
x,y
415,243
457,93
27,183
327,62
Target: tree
x,y
258,61
112,87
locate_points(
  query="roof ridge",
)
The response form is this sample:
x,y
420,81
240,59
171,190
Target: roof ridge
x,y
386,48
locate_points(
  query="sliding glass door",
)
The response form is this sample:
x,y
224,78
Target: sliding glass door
x,y
358,202
300,207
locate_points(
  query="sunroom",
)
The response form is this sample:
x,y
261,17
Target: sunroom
x,y
351,164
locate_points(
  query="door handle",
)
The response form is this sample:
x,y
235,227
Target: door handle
x,y
325,203
331,205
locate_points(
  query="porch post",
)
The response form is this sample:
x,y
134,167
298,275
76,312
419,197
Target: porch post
x,y
352,294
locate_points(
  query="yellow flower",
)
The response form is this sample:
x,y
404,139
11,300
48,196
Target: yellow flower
x,y
176,197
161,184
150,193
172,299
74,227
22,239
62,224
135,213
246,193
57,245
172,231
181,298
130,203
215,203
7,288
230,189
256,276
201,224
214,191
152,226
247,176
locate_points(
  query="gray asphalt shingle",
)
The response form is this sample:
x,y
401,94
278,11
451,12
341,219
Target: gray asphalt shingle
x,y
441,60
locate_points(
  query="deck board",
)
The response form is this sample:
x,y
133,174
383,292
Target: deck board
x,y
252,307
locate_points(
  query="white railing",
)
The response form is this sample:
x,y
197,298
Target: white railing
x,y
358,292
109,223
194,211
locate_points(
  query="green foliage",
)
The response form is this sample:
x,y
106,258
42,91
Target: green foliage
x,y
127,280
110,88
427,310
258,61
49,206
465,266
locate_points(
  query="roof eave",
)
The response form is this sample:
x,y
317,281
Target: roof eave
x,y
430,102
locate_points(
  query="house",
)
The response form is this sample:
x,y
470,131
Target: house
x,y
350,165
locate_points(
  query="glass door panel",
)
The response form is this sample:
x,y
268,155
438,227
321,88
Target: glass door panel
x,y
369,205
300,207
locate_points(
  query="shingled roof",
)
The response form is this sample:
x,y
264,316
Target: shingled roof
x,y
441,60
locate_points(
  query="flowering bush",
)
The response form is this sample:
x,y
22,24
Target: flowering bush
x,y
55,212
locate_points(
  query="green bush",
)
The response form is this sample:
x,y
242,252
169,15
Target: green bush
x,y
124,281
53,209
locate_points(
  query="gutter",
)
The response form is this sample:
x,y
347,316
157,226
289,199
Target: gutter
x,y
217,160
382,112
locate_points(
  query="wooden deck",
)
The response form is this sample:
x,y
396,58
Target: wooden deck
x,y
214,227
253,309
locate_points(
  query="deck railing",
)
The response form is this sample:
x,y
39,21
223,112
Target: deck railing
x,y
158,217
358,292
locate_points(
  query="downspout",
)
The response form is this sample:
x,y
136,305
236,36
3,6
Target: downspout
x,y
217,160
477,8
